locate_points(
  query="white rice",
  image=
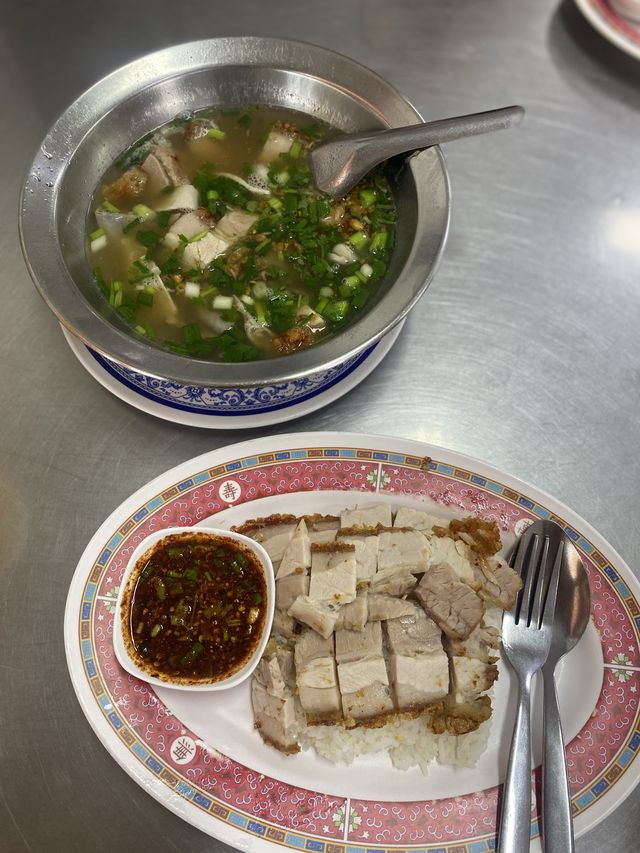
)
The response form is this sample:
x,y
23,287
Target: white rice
x,y
409,743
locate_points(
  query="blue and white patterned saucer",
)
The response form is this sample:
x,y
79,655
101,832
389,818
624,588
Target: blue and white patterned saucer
x,y
231,408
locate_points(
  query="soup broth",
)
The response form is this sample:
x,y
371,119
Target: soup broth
x,y
209,238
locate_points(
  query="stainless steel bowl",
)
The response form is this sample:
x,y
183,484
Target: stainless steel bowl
x,y
138,98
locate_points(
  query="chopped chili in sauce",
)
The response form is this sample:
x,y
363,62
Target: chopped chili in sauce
x,y
197,610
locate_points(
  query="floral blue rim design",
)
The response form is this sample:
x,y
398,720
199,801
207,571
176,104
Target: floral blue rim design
x,y
232,398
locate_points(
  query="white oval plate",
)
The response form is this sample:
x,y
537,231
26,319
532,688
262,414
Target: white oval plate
x,y
200,756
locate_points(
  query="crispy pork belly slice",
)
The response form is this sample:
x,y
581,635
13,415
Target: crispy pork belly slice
x,y
287,666
333,573
353,616
393,581
483,536
268,672
459,718
319,537
452,604
355,675
273,701
402,548
407,517
289,588
359,645
419,679
283,625
477,645
322,528
471,677
499,584
316,678
366,516
310,646
365,541
275,718
370,706
387,607
414,634
297,554
455,554
278,142
317,615
318,522
273,532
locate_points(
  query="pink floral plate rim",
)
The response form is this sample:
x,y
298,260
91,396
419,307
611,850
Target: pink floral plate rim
x,y
250,810
620,32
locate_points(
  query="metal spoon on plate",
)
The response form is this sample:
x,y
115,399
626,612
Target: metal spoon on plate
x,y
573,606
338,165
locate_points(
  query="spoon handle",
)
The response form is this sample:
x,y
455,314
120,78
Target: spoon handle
x,y
557,825
515,824
344,161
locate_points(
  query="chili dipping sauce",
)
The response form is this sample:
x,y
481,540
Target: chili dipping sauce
x,y
195,608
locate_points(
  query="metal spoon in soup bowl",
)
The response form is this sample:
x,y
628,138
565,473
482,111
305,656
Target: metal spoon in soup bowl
x,y
338,165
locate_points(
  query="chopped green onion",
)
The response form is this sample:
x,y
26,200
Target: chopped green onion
x,y
191,333
366,270
358,239
143,211
222,303
110,208
145,298
282,178
261,317
212,195
295,150
95,235
214,133
351,281
161,590
378,241
335,312
156,629
140,628
197,237
368,197
263,246
326,291
275,203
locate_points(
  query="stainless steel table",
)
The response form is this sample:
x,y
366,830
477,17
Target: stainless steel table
x,y
524,352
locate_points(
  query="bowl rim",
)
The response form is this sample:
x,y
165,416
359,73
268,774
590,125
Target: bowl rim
x,y
120,647
38,213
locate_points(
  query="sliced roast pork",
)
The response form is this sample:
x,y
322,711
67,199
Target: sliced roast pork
x,y
452,604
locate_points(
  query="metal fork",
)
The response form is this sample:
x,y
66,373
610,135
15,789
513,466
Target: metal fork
x,y
526,640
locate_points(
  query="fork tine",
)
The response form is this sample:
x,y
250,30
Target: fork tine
x,y
529,580
554,582
542,575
